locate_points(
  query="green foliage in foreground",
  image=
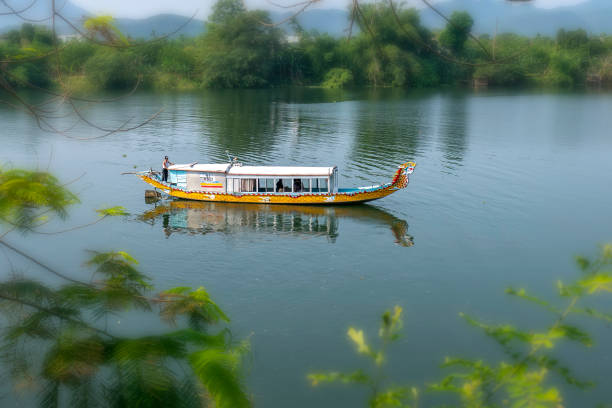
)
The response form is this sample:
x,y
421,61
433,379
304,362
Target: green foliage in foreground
x,y
527,378
242,49
28,198
381,393
63,342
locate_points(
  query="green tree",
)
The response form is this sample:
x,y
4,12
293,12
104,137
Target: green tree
x,y
572,39
321,54
225,11
106,69
13,37
177,58
75,55
25,71
43,36
566,69
517,58
393,47
27,32
240,48
28,73
457,31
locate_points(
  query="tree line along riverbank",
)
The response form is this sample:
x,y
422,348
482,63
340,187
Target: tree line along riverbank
x,y
240,48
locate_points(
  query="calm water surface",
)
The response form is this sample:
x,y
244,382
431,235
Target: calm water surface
x,y
508,187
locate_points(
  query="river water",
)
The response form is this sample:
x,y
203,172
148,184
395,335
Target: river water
x,y
508,187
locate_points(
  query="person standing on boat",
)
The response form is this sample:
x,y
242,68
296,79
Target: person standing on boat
x,y
165,164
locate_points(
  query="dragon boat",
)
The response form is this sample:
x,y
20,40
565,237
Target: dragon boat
x,y
236,183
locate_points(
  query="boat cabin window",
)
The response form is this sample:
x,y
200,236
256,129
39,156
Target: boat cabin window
x,y
278,185
242,185
266,185
298,186
233,185
248,185
319,185
305,185
283,185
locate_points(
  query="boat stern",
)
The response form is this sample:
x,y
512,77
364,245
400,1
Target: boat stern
x,y
154,180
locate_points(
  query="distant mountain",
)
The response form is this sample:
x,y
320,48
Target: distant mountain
x,y
519,17
41,10
330,21
136,28
159,25
525,18
490,16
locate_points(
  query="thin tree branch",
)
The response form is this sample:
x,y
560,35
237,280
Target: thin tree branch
x,y
42,265
294,5
306,4
16,12
19,14
54,313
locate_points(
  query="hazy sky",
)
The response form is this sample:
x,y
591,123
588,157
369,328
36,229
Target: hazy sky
x,y
144,8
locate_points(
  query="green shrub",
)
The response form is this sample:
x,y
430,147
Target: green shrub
x,y
338,78
111,69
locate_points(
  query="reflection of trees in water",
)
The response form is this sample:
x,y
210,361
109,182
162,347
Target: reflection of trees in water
x,y
389,131
454,128
194,217
244,121
254,123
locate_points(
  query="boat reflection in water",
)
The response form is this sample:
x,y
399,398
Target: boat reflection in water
x,y
196,217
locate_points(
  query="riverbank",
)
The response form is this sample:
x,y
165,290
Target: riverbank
x,y
237,51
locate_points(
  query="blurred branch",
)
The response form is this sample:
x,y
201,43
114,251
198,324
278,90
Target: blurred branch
x,y
13,11
19,13
304,5
441,54
53,312
41,264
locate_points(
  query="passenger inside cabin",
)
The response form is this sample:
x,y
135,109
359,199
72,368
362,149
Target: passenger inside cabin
x,y
279,186
297,185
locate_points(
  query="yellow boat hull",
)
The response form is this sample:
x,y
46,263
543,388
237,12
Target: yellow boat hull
x,y
400,180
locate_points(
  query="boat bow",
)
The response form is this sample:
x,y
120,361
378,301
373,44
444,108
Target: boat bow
x,y
400,179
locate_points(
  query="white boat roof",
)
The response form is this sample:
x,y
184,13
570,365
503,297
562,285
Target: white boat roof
x,y
280,171
283,171
216,168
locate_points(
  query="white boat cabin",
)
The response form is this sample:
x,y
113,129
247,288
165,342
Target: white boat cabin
x,y
235,178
